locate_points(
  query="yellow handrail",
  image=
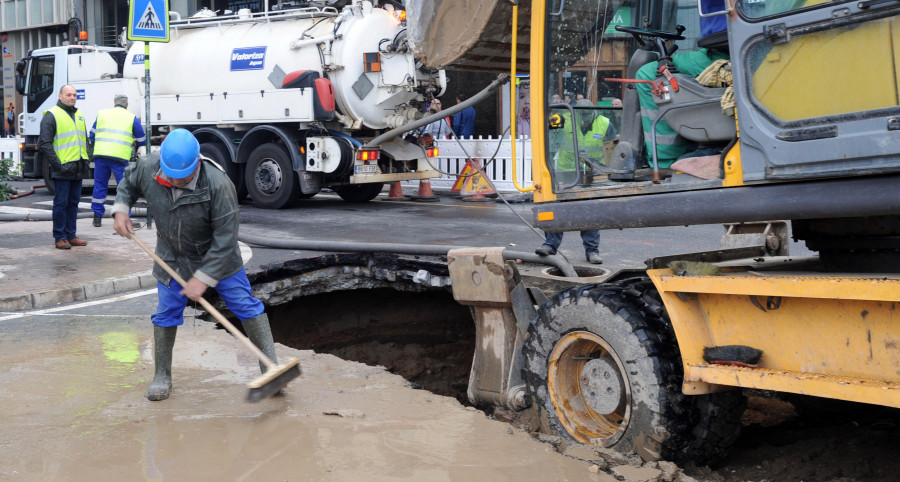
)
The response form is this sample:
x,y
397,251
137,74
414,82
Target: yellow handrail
x,y
513,115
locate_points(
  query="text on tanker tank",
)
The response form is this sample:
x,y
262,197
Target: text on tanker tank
x,y
248,58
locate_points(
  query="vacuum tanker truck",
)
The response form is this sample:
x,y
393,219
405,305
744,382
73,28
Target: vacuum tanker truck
x,y
282,100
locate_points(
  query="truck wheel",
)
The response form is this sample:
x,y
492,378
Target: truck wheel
x,y
359,193
270,177
235,172
47,180
603,369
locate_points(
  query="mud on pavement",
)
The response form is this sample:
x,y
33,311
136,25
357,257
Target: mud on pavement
x,y
73,397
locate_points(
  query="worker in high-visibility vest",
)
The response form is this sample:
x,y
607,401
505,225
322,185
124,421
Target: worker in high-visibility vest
x,y
591,130
114,135
62,144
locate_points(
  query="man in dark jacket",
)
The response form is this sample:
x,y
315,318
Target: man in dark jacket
x,y
196,211
464,120
63,145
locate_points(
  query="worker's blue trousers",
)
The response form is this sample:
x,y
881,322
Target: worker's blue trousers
x,y
590,239
102,169
234,291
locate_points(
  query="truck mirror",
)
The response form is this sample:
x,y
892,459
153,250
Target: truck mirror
x,y
20,76
20,83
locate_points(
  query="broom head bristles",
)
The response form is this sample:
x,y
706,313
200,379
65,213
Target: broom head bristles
x,y
273,380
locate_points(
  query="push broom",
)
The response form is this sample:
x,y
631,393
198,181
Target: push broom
x,y
276,376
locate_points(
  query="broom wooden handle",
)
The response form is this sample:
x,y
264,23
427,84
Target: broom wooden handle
x,y
224,321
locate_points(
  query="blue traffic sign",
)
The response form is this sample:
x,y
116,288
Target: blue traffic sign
x,y
148,20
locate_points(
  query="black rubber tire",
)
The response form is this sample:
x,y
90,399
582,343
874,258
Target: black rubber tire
x,y
219,153
656,421
270,177
359,193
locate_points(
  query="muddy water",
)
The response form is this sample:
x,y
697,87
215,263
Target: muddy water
x,y
73,407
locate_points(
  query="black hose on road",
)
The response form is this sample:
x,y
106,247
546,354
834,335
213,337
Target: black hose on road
x,y
414,249
48,215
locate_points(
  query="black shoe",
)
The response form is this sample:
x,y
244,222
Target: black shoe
x,y
97,221
545,251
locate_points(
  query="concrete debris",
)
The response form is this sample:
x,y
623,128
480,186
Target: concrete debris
x,y
685,478
424,277
610,457
670,471
637,474
550,439
583,452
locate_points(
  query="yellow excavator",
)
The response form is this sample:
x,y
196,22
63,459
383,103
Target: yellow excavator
x,y
800,123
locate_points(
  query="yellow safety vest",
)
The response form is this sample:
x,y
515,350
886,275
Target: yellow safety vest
x,y
114,134
590,143
70,141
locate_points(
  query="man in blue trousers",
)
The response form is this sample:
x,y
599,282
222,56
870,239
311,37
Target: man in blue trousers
x,y
114,134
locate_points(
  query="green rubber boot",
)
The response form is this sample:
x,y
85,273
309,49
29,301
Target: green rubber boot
x,y
163,342
260,333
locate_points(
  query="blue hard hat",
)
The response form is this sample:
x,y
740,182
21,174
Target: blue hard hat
x,y
179,154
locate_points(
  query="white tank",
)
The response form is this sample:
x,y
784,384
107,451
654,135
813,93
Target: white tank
x,y
239,54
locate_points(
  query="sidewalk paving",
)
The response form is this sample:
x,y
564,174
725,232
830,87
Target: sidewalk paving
x,y
34,274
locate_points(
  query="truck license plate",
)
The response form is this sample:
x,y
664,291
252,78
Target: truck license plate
x,y
367,169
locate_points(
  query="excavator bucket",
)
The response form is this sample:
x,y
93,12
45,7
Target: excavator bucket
x,y
469,35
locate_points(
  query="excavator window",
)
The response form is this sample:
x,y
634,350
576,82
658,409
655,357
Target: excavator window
x,y
797,79
762,8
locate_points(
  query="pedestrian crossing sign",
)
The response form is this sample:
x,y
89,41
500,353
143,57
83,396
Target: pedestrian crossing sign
x,y
148,20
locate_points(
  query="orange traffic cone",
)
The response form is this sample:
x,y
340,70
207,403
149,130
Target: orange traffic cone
x,y
396,192
424,193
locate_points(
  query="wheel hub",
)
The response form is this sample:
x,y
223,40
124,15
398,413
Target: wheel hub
x,y
602,386
268,176
591,406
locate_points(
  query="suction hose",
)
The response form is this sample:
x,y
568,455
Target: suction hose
x,y
48,215
29,193
501,79
415,249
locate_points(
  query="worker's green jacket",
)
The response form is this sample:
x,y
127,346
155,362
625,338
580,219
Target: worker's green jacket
x,y
197,234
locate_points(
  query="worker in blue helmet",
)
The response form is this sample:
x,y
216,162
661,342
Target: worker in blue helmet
x,y
196,209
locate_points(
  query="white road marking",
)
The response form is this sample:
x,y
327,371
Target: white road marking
x,y
50,311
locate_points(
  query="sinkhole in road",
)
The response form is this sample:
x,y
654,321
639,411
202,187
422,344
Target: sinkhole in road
x,y
425,337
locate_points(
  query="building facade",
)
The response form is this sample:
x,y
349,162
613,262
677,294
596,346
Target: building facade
x,y
26,25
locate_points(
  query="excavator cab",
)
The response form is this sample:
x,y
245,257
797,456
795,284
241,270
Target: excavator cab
x,y
795,99
691,110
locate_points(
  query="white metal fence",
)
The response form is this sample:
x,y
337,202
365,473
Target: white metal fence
x,y
9,149
452,159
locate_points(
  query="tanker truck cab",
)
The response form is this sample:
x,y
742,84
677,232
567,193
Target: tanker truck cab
x,y
96,74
